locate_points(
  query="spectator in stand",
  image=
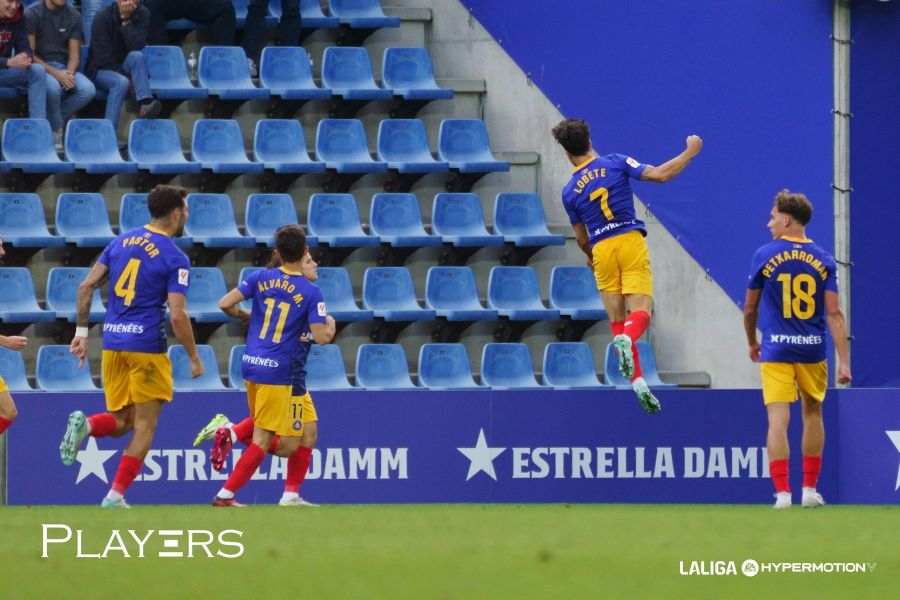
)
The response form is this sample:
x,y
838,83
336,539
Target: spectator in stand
x,y
16,65
288,28
217,15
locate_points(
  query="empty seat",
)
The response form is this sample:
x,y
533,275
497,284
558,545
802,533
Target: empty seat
x,y
156,147
570,365
382,366
612,376
348,73
341,144
325,368
403,145
82,219
286,72
573,291
520,219
224,71
235,374
334,220
338,293
12,365
133,213
57,371
18,302
217,144
445,366
397,220
507,366
452,293
211,222
92,146
458,219
515,293
169,79
22,222
205,288
311,15
62,294
267,212
362,14
389,293
408,71
465,145
28,145
280,145
211,380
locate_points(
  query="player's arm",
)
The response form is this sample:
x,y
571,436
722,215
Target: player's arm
x,y
181,325
751,316
229,304
583,241
95,278
323,333
14,342
668,170
837,324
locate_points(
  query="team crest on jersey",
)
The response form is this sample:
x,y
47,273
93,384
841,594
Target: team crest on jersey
x,y
632,163
297,426
183,275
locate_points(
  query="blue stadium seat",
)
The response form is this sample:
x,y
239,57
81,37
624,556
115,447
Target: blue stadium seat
x,y
397,220
133,213
334,220
361,14
82,219
57,371
348,72
18,302
156,147
92,146
22,222
211,222
62,294
286,72
267,212
465,145
338,293
573,291
570,365
611,375
458,219
217,144
389,292
169,78
242,276
382,366
403,145
12,365
445,366
28,145
515,293
224,71
341,144
280,145
206,288
507,366
311,15
452,293
519,218
235,375
325,369
240,14
408,71
211,380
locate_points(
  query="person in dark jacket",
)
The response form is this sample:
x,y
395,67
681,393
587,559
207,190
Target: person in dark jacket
x,y
118,35
16,66
217,15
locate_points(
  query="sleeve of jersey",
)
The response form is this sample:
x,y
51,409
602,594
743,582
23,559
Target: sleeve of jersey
x,y
316,311
633,168
573,216
248,286
831,280
755,281
179,275
104,256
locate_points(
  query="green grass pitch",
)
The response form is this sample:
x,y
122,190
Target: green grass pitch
x,y
456,551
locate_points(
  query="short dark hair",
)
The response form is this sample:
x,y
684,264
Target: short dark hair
x,y
574,136
290,241
163,199
794,204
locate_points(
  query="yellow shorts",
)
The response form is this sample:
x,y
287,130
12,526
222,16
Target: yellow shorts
x,y
270,407
303,411
622,265
3,387
135,378
780,381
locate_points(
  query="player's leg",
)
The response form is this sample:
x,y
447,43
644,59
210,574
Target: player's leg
x,y
245,467
8,411
609,283
637,286
299,461
779,391
209,430
812,380
146,416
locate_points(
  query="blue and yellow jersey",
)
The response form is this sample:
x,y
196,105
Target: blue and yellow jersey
x,y
145,266
793,275
599,195
298,364
284,306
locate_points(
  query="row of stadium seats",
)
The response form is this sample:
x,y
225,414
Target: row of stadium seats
x,y
82,219
378,366
387,293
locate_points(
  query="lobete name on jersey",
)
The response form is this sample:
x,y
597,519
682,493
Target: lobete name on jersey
x,y
800,255
280,284
144,242
589,175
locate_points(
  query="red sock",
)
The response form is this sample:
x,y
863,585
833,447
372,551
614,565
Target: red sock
x,y
4,424
778,471
812,466
618,327
243,431
637,361
636,324
245,468
102,424
297,467
129,467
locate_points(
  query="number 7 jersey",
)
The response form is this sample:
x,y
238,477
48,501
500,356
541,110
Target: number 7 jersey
x,y
144,265
793,275
284,305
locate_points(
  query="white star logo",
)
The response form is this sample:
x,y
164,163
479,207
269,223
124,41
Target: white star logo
x,y
91,460
481,457
895,437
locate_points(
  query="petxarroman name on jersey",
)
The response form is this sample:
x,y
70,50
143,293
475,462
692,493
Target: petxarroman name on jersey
x,y
800,255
